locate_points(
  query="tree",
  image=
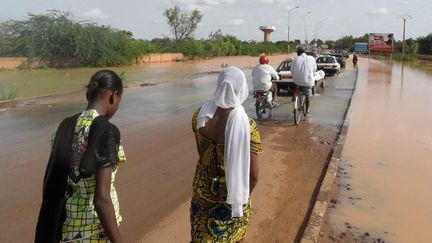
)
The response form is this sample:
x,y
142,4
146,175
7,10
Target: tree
x,y
181,23
330,43
425,44
56,39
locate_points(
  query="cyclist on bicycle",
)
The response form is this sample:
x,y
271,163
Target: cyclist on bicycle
x,y
262,76
303,69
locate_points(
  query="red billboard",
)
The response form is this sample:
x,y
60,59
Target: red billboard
x,y
381,41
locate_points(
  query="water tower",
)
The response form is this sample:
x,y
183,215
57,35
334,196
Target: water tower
x,y
267,30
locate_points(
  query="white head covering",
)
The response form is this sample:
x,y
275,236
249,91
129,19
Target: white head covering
x,y
231,92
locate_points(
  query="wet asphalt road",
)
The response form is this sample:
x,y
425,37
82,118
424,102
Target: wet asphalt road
x,y
155,123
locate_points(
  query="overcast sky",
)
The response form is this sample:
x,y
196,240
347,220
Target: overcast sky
x,y
328,19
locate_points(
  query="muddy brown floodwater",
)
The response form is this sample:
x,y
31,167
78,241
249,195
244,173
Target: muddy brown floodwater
x,y
385,174
155,184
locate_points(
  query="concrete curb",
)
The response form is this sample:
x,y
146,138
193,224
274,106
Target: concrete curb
x,y
316,219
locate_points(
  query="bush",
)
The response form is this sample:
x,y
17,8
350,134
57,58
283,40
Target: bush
x,y
58,40
425,45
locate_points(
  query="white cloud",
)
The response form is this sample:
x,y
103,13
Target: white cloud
x,y
95,14
275,1
377,11
236,22
193,4
158,21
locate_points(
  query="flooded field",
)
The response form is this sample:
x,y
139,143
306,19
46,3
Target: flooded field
x,y
385,185
30,83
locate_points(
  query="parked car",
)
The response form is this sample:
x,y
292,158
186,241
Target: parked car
x,y
286,81
340,59
328,64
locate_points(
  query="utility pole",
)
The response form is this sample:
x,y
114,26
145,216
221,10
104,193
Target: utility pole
x,y
404,17
304,21
289,14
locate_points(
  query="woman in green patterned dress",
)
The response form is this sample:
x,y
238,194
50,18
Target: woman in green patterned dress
x,y
80,202
228,144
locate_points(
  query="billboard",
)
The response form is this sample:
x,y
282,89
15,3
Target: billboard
x,y
381,41
361,47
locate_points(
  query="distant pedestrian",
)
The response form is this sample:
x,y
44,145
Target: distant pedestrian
x,y
80,202
355,60
303,69
228,144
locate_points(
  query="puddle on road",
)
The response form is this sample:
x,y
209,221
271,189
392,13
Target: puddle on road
x,y
385,177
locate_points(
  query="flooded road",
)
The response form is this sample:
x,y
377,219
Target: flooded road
x,y
385,185
154,185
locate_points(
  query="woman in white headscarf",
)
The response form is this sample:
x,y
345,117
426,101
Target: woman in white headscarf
x,y
228,144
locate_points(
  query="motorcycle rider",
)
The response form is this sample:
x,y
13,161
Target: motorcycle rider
x,y
355,60
262,75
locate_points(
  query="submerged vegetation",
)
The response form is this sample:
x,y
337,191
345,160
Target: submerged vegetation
x,y
8,93
405,58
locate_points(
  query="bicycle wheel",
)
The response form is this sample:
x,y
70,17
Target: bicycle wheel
x,y
297,109
259,108
302,99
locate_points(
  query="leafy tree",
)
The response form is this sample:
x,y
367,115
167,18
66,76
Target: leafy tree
x,y
58,40
425,45
48,37
5,42
330,43
181,23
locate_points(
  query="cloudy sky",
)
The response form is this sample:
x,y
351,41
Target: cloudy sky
x,y
328,19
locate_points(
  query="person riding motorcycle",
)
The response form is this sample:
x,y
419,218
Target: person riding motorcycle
x,y
262,76
355,60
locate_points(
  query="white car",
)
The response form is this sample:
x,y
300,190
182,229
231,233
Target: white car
x,y
328,64
286,81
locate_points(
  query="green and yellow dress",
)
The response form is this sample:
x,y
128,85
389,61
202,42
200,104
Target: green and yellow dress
x,y
82,223
210,215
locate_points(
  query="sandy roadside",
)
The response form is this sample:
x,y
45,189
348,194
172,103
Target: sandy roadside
x,y
289,168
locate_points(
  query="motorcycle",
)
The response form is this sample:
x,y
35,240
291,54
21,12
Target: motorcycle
x,y
262,106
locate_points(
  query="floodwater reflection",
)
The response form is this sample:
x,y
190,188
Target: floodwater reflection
x,y
386,185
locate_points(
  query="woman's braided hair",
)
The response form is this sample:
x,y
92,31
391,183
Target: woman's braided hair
x,y
103,80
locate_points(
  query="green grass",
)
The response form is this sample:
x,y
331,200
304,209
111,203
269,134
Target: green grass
x,y
9,93
404,58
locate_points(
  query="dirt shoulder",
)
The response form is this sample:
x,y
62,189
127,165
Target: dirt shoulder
x,y
289,169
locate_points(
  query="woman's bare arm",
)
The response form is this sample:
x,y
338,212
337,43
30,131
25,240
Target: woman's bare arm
x,y
253,178
103,204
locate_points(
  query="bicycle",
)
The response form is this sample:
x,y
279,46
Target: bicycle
x,y
299,104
